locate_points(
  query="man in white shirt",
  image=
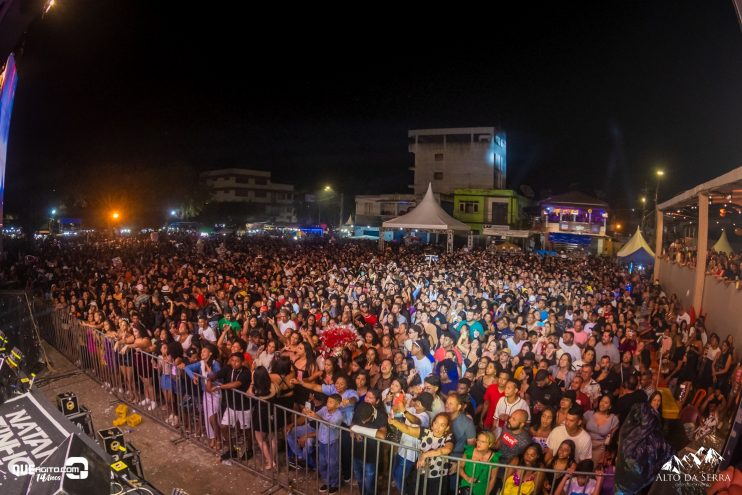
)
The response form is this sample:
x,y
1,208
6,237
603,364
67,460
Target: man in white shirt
x,y
420,351
684,316
205,331
516,341
507,404
570,430
284,323
567,344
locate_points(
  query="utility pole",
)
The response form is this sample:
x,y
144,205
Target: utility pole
x,y
340,223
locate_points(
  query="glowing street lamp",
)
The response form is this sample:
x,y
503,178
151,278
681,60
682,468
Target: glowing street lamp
x,y
115,215
173,213
52,213
660,174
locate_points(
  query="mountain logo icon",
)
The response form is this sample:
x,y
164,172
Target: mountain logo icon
x,y
702,456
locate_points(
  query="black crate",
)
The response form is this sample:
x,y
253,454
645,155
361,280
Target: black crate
x,y
113,442
67,403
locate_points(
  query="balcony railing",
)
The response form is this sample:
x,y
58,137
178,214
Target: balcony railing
x,y
581,227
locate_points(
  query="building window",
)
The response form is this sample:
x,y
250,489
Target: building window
x,y
458,138
469,207
261,194
437,175
261,181
428,139
439,157
388,209
241,179
243,193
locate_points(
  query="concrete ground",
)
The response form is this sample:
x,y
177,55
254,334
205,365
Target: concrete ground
x,y
166,465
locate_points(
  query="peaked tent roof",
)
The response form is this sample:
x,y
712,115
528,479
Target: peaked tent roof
x,y
428,215
636,249
722,245
349,221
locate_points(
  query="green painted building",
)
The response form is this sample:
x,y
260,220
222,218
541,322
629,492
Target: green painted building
x,y
478,207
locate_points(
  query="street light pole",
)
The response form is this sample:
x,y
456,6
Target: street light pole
x,y
660,174
51,220
340,223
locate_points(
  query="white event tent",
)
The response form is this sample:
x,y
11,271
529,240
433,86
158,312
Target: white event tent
x,y
636,250
428,216
722,245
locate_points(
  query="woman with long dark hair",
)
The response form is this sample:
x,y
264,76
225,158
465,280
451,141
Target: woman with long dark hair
x,y
264,389
306,369
361,384
710,354
563,459
562,371
721,368
601,424
543,423
211,400
521,480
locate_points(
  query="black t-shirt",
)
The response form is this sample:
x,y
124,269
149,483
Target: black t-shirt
x,y
610,383
232,399
371,444
550,395
625,403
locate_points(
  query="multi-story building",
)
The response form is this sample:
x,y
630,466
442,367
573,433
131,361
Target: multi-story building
x,y
373,210
242,185
573,220
484,209
458,158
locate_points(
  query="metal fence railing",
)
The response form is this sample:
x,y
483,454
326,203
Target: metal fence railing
x,y
294,450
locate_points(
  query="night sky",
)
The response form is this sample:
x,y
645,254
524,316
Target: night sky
x,y
592,97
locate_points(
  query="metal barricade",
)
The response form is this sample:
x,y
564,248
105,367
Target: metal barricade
x,y
298,452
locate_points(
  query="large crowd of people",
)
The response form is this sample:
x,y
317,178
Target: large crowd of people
x,y
527,361
723,266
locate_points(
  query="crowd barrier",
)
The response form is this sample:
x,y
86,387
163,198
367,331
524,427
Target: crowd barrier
x,y
269,440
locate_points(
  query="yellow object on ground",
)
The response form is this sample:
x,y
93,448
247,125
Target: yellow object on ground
x,y
133,420
670,408
122,410
120,421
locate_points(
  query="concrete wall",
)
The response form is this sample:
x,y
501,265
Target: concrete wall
x,y
722,301
676,279
461,165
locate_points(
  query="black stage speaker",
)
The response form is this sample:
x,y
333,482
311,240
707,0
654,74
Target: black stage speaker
x,y
112,440
85,471
67,403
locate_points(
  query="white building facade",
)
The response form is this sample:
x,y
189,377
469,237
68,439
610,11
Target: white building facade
x,y
458,158
242,185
